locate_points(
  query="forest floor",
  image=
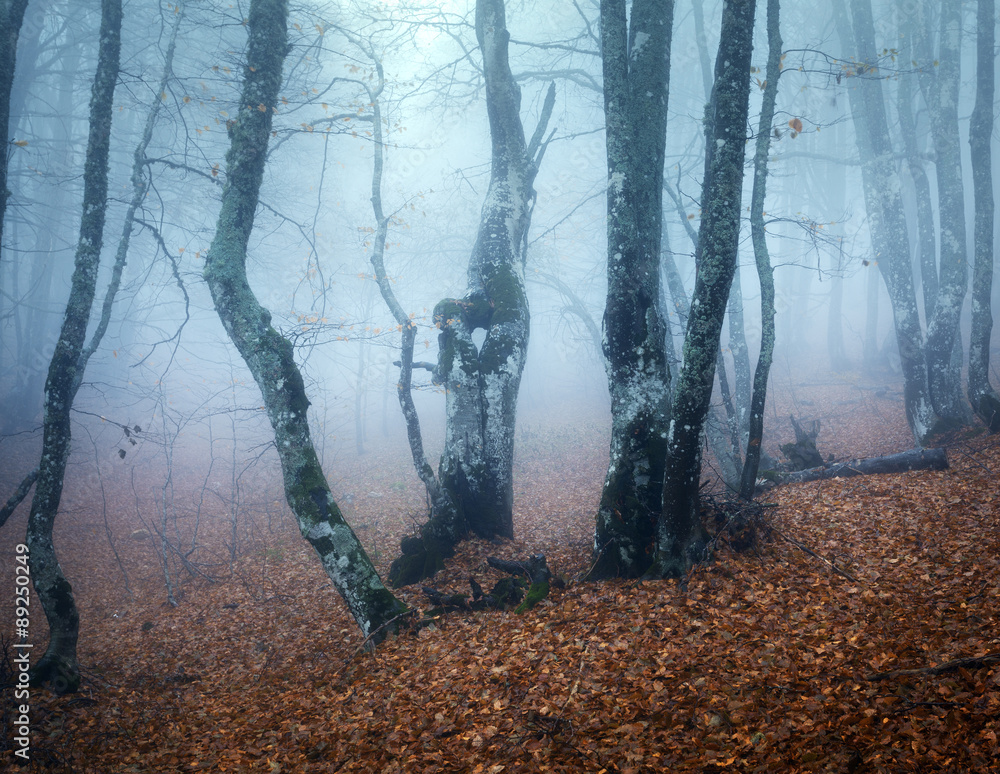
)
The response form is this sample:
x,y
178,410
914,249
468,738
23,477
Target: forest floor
x,y
875,650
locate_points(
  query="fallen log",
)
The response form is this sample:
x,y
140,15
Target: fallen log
x,y
973,662
914,459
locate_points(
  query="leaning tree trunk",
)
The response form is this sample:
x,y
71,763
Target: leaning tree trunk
x,y
887,220
765,271
11,17
939,80
984,399
481,385
636,61
679,531
59,664
267,353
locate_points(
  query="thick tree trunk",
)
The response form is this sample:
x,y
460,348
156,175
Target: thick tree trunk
x,y
984,399
59,665
482,385
269,355
636,62
679,530
11,18
887,220
914,459
939,81
765,272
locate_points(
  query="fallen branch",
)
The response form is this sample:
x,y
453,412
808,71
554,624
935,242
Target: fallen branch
x,y
914,459
808,550
972,662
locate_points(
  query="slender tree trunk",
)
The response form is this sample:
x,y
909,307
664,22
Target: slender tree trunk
x,y
636,62
59,665
887,220
742,381
870,356
984,399
267,353
939,80
926,243
765,272
737,399
11,18
835,323
420,558
679,532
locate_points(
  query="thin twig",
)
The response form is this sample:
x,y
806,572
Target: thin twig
x,y
809,551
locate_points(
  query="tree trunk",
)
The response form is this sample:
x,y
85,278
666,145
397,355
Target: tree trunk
x,y
636,63
59,664
887,220
765,272
926,242
11,18
423,557
679,530
984,399
870,356
269,355
742,381
835,319
475,476
939,81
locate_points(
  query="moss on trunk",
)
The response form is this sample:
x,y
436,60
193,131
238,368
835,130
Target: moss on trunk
x,y
58,666
268,355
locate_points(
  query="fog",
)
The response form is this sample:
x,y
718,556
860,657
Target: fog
x,y
167,366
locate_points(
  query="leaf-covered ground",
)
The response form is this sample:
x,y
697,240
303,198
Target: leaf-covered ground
x,y
776,659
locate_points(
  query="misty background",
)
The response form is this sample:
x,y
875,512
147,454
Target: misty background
x,y
166,370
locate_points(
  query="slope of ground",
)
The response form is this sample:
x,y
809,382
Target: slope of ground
x,y
777,659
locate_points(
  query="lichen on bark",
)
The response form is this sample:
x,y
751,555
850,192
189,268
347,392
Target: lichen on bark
x,y
679,530
481,384
270,356
636,81
58,666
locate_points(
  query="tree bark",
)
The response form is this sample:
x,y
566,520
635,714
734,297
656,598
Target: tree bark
x,y
984,399
679,531
58,666
926,242
884,205
422,558
267,353
636,63
939,81
11,18
481,386
765,272
870,356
